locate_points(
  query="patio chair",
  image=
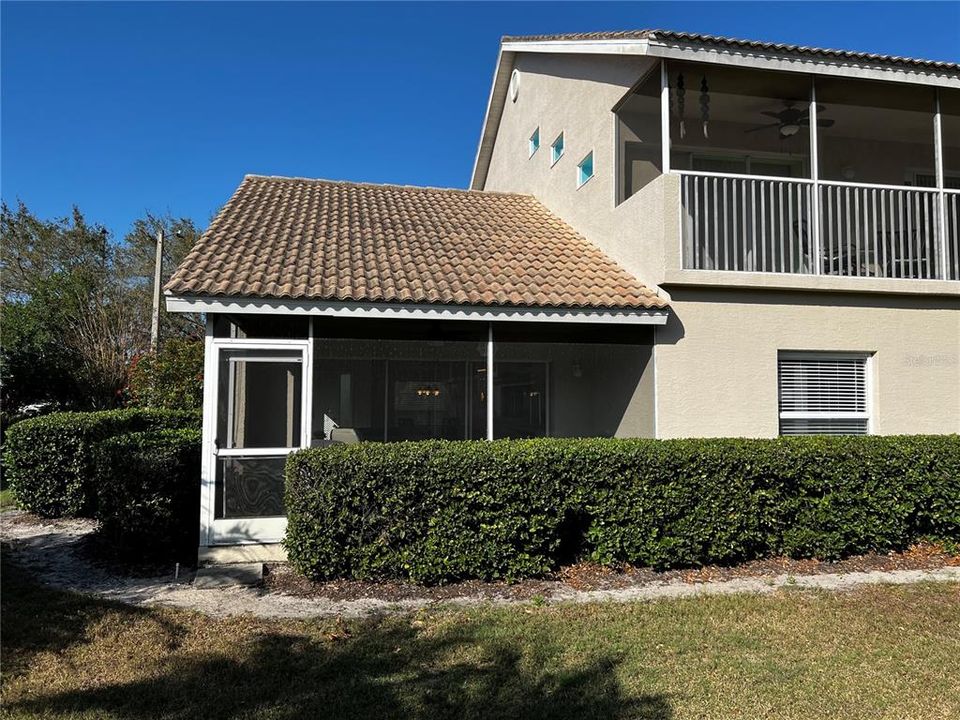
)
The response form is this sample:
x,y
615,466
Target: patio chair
x,y
346,436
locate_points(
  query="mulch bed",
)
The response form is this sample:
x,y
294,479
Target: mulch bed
x,y
589,576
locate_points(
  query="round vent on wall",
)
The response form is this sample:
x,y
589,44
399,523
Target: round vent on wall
x,y
514,84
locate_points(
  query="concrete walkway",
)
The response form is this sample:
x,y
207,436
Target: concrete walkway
x,y
48,549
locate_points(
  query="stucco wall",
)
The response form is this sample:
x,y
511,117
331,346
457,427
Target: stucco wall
x,y
716,361
575,94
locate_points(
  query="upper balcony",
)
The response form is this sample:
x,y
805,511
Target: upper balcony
x,y
787,174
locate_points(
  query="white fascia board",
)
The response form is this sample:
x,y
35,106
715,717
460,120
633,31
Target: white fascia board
x,y
488,133
580,47
400,311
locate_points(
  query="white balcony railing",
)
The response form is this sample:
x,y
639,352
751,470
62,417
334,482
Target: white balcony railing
x,y
761,224
743,223
951,221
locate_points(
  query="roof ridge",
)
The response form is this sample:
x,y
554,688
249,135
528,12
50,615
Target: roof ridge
x,y
396,186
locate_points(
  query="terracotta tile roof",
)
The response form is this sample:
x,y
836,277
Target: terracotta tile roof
x,y
323,240
741,44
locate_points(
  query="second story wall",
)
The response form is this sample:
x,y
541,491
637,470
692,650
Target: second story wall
x,y
754,208
575,95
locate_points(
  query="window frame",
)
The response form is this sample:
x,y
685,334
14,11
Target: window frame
x,y
554,155
868,412
581,181
533,142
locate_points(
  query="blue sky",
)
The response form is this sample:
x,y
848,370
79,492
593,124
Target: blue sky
x,y
121,108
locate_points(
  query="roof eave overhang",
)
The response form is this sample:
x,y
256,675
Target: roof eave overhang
x,y
488,134
748,57
413,311
694,52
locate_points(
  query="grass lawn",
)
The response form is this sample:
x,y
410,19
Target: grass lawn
x,y
881,652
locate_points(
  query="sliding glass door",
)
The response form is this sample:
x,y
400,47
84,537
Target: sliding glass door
x,y
368,389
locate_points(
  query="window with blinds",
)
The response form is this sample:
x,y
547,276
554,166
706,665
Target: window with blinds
x,y
823,394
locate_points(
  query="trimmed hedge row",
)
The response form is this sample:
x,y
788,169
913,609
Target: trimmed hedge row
x,y
439,511
148,498
51,460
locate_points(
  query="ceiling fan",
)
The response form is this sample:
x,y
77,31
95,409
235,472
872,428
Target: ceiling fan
x,y
791,119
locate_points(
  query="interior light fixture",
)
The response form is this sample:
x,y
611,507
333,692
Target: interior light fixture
x,y
789,130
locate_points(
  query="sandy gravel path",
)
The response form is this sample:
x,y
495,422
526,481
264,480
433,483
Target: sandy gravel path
x,y
50,550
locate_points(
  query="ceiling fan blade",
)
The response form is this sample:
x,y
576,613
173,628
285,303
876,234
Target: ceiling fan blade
x,y
762,127
771,113
821,122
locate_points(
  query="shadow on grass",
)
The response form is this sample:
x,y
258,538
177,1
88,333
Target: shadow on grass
x,y
471,668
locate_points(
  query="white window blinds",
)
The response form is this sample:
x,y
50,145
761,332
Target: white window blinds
x,y
823,394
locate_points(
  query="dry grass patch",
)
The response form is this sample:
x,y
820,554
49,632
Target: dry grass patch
x,y
880,652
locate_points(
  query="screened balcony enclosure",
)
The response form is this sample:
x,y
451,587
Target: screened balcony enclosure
x,y
786,173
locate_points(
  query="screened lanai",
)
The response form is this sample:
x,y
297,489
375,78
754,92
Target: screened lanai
x,y
326,382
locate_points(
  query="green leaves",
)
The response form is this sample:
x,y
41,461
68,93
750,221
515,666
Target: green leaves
x,y
76,306
51,461
148,494
171,378
441,511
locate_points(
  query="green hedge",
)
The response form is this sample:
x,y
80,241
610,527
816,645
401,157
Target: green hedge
x,y
440,511
50,461
148,498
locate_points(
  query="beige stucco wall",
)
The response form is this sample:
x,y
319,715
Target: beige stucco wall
x,y
716,361
575,94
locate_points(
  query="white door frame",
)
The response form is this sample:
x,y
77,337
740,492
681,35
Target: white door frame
x,y
241,531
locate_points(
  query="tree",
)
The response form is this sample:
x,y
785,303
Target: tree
x,y
137,267
54,272
170,378
77,307
36,366
106,333
33,251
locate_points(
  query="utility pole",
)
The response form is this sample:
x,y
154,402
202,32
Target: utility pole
x,y
155,321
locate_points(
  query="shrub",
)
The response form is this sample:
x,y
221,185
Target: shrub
x,y
429,511
171,378
672,503
148,498
50,461
438,511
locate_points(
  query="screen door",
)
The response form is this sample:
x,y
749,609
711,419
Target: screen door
x,y
260,419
